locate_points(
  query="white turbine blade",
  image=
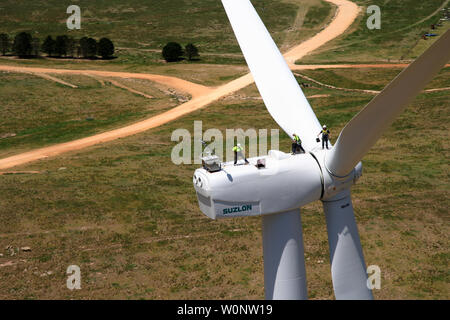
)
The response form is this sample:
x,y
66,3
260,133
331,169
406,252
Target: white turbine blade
x,y
363,131
280,91
284,259
348,269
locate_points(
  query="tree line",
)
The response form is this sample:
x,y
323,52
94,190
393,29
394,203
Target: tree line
x,y
25,46
173,51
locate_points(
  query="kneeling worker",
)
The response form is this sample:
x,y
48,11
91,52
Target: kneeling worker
x,y
238,151
297,144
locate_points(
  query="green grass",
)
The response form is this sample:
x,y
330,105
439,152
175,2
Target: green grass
x,y
142,24
41,112
317,15
367,78
140,29
402,25
129,217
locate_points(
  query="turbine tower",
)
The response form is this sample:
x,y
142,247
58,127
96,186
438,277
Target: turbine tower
x,y
277,185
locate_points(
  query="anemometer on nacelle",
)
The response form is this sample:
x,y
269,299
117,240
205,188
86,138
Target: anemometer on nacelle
x,y
210,161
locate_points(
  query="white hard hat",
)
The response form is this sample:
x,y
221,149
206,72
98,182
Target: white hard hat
x,y
239,145
324,126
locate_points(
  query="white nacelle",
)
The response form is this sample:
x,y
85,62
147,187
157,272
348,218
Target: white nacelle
x,y
285,183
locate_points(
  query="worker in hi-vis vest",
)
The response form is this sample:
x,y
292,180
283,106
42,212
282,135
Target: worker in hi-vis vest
x,y
238,151
297,144
325,136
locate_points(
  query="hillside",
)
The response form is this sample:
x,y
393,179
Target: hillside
x,y
141,28
128,216
400,38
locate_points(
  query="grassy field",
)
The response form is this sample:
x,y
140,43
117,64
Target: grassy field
x,y
369,78
36,112
206,74
141,24
140,28
129,217
402,25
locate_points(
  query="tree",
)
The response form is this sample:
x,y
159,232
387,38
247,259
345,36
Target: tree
x,y
23,45
49,46
91,48
4,43
191,51
78,49
105,48
172,52
84,47
70,46
36,46
61,46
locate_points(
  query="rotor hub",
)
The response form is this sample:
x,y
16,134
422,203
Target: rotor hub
x,y
335,187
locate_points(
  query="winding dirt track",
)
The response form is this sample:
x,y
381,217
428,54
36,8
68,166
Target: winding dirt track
x,y
201,95
176,83
346,13
49,77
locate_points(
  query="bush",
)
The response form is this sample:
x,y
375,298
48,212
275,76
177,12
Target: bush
x,y
23,45
88,47
91,48
191,51
49,46
61,46
36,46
105,48
83,47
71,44
172,52
4,43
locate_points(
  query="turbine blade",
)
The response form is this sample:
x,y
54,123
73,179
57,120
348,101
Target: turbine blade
x,y
348,269
363,131
277,85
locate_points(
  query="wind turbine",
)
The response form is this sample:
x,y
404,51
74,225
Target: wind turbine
x,y
285,182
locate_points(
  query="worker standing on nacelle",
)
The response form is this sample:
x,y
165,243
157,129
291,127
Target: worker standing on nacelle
x,y
238,151
325,136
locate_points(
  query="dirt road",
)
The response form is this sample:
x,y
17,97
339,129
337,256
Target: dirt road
x,y
346,13
193,89
202,96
